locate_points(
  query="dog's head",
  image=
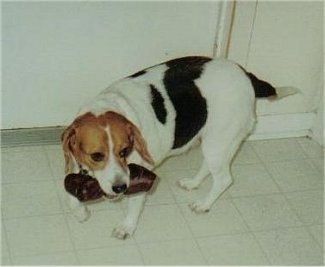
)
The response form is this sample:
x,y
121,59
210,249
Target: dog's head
x,y
101,145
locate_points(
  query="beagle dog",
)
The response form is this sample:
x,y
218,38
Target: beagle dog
x,y
159,112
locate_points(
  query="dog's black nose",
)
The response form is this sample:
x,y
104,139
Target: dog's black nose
x,y
121,188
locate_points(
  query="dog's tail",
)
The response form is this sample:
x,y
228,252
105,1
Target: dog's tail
x,y
263,89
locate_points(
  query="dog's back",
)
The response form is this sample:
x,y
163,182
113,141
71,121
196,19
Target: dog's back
x,y
174,102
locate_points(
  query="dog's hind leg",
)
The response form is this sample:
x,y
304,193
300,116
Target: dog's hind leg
x,y
221,180
218,154
194,182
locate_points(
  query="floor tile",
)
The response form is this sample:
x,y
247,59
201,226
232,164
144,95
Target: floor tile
x,y
266,212
33,166
292,246
176,252
292,168
223,218
54,154
117,256
296,175
105,204
4,245
5,261
30,199
246,155
160,223
278,150
96,232
309,206
250,180
240,249
65,258
319,164
311,147
161,195
37,235
272,213
317,232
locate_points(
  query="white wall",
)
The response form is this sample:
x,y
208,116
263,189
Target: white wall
x,y
55,55
281,42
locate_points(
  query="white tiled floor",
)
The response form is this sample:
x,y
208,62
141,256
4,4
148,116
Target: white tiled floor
x,y
271,215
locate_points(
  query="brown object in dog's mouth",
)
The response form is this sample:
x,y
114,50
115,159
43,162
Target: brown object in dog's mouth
x,y
83,187
86,188
141,179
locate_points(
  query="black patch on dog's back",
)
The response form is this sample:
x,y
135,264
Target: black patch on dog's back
x,y
190,106
158,104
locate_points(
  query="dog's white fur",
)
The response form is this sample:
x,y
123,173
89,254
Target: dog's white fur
x,y
231,116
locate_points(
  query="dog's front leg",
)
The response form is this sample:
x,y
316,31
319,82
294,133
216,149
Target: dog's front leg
x,y
128,226
78,209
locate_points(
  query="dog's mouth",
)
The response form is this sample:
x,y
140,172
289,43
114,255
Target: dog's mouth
x,y
86,188
113,197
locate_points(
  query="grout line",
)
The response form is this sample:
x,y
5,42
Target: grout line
x,y
299,142
311,160
5,236
261,247
321,246
32,216
295,210
193,237
43,254
264,165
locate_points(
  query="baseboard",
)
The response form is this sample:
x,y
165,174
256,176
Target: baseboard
x,y
267,127
31,136
283,126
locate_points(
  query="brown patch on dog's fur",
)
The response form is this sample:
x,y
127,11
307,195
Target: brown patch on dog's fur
x,y
125,135
83,138
86,139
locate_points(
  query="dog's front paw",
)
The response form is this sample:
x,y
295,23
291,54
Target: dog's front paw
x,y
200,206
188,184
82,214
123,231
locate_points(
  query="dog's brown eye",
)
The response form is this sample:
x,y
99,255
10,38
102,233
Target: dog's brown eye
x,y
124,152
97,156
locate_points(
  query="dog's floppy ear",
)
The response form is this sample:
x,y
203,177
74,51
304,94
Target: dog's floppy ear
x,y
140,144
68,139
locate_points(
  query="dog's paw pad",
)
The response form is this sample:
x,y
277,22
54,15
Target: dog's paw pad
x,y
188,184
199,207
120,234
123,232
